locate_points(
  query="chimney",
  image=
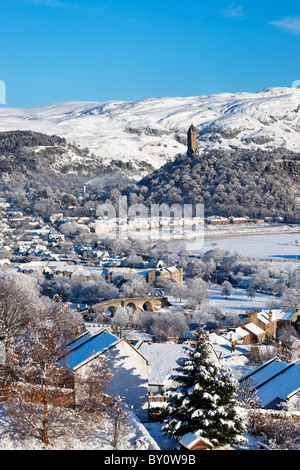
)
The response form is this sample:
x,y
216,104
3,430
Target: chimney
x,y
270,315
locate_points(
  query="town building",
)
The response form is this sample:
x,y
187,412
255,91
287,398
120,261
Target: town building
x,y
128,366
164,359
264,323
275,382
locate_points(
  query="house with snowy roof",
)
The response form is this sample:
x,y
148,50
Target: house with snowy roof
x,y
172,272
275,382
284,316
5,262
150,274
128,365
233,343
164,359
256,334
263,323
69,269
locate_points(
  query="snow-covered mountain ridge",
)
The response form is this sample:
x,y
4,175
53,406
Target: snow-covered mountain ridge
x,y
154,130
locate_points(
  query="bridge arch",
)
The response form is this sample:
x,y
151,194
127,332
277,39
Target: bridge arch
x,y
139,304
111,310
147,306
132,306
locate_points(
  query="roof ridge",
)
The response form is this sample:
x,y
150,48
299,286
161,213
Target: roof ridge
x,y
93,335
262,366
291,364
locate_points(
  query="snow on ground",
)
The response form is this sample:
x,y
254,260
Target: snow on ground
x,y
147,130
144,437
154,428
278,246
135,437
238,301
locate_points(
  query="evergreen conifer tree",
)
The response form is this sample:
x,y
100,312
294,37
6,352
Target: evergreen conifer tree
x,y
204,402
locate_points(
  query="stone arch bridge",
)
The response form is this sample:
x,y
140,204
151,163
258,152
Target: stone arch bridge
x,y
139,304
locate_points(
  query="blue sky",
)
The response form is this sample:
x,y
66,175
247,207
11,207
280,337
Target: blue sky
x,y
63,50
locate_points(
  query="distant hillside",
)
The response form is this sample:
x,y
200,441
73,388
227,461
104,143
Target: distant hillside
x,y
31,157
26,154
34,164
150,132
229,183
248,163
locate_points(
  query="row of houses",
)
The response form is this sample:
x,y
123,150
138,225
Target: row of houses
x,y
219,220
75,268
132,372
277,383
27,235
144,371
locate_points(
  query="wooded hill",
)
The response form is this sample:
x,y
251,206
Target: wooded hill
x,y
32,162
236,183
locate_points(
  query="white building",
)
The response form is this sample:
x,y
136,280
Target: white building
x,y
128,366
164,359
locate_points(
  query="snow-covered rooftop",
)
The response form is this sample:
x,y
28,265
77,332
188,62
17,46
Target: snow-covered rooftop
x,y
265,371
254,328
189,439
275,314
275,379
89,346
282,385
163,360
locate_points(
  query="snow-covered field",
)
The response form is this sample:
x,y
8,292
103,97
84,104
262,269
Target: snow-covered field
x,y
238,301
148,130
276,246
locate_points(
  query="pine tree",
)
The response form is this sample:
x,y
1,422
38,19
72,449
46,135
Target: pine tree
x,y
204,402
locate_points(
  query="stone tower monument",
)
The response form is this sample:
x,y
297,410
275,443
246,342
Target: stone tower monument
x,y
192,143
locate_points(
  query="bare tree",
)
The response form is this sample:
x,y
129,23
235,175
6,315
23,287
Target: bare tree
x,y
119,421
248,395
44,398
197,289
291,298
169,324
226,289
124,317
19,301
289,340
251,291
135,287
179,290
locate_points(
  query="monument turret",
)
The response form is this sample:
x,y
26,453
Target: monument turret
x,y
192,143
